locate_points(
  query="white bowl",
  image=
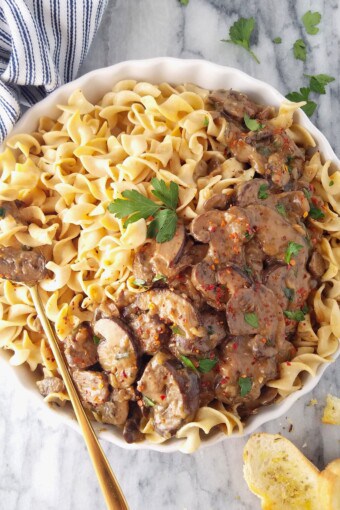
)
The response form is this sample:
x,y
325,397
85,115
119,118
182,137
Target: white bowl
x,y
205,74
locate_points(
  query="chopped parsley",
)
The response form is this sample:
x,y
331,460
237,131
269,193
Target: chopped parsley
x,y
252,124
148,402
300,50
281,209
248,270
315,213
310,20
277,40
297,315
139,282
135,206
184,2
188,363
331,183
210,330
263,192
289,293
2,212
96,339
303,95
159,277
292,249
206,122
245,384
177,330
240,33
205,365
251,319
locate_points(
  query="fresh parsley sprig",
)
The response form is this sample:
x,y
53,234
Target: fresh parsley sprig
x,y
303,95
300,50
134,206
240,33
318,82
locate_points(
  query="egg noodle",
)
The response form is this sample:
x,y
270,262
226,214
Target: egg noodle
x,y
70,169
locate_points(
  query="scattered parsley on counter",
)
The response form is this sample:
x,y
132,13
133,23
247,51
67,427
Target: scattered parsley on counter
x,y
240,33
318,82
292,249
297,315
251,319
300,50
252,124
184,2
310,20
135,206
245,384
303,95
262,193
277,40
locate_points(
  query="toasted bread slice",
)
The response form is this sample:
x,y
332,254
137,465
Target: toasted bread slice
x,y
331,413
277,472
329,486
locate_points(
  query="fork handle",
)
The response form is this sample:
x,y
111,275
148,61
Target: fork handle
x,y
111,490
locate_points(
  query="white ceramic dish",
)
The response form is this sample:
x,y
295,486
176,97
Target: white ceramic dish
x,y
206,74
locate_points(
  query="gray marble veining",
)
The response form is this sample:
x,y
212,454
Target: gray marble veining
x,y
44,464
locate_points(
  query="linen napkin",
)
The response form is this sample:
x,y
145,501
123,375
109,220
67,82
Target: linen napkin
x,y
42,45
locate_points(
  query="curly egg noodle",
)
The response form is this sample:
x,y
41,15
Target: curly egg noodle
x,y
71,168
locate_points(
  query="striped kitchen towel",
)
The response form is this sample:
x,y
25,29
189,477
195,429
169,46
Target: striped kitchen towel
x,y
42,45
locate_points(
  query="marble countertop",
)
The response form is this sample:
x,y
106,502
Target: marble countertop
x,y
44,464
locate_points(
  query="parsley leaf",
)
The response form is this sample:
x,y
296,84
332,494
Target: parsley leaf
x,y
297,315
300,50
184,2
206,122
263,192
188,363
281,209
177,330
96,339
315,212
318,82
205,365
138,282
277,40
293,249
252,124
159,277
167,195
331,183
2,212
289,293
240,33
251,319
310,20
148,402
245,384
137,206
303,95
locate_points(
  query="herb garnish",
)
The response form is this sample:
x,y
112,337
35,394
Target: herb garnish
x,y
96,339
248,270
300,50
245,384
289,293
135,206
240,33
263,192
281,209
305,309
177,330
307,193
331,183
2,212
206,122
292,249
277,40
315,212
205,365
303,95
297,315
252,124
310,20
210,330
184,2
188,363
251,319
139,282
159,277
318,82
148,402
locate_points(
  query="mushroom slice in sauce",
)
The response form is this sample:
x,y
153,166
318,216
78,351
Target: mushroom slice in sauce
x,y
80,349
106,309
50,385
92,386
150,332
115,411
237,365
22,266
171,308
173,391
204,280
131,431
142,267
236,105
117,351
167,255
218,201
316,265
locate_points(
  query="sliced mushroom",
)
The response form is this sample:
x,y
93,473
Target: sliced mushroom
x,y
142,267
183,285
240,374
236,105
316,265
50,385
150,332
218,201
173,392
204,279
167,255
115,411
267,397
80,349
117,351
22,266
92,386
131,431
171,308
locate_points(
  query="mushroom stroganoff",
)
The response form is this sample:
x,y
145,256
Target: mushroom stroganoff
x,y
192,248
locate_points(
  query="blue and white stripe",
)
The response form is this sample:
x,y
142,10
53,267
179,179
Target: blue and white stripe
x,y
42,45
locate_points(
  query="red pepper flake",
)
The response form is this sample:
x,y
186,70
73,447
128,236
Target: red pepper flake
x,y
288,363
212,228
235,346
163,397
315,201
124,374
